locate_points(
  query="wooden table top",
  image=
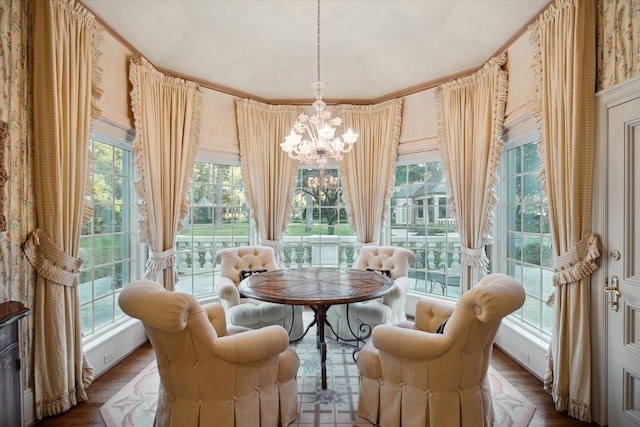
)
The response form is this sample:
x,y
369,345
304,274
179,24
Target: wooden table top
x,y
316,286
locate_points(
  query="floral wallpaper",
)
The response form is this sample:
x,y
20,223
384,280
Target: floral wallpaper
x,y
17,278
617,42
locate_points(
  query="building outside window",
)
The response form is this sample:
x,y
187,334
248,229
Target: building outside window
x,y
431,235
108,242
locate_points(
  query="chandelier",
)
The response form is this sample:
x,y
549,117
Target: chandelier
x,y
312,138
322,181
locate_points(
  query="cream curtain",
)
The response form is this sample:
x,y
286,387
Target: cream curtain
x,y
471,115
167,120
268,173
66,88
368,171
564,67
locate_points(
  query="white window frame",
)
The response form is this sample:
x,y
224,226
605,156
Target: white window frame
x,y
523,343
111,344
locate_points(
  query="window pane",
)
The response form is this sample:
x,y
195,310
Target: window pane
x,y
531,250
217,218
513,189
106,242
319,233
420,221
531,280
513,219
532,312
531,160
103,311
513,162
525,231
513,246
545,252
531,188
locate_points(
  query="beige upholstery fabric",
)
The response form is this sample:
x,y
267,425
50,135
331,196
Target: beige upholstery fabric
x,y
249,312
166,111
563,40
368,171
386,310
209,377
412,376
470,117
66,90
268,174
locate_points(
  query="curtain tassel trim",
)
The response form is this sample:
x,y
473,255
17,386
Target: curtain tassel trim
x,y
50,261
578,262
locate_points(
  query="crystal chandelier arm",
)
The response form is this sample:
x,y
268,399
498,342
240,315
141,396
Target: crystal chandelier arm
x,y
312,131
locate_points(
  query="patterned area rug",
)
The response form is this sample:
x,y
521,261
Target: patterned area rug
x,y
135,404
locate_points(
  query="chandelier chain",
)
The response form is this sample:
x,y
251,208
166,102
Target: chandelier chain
x,y
318,46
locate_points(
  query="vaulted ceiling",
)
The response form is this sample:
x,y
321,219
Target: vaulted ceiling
x,y
369,49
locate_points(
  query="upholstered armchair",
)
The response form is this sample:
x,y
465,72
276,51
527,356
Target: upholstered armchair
x,y
391,261
207,376
237,263
434,372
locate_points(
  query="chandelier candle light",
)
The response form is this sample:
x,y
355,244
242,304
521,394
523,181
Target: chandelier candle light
x,y
320,142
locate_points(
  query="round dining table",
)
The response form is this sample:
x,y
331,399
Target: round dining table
x,y
318,288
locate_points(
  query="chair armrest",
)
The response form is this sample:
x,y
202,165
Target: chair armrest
x,y
409,343
253,345
399,292
398,295
215,313
431,312
228,291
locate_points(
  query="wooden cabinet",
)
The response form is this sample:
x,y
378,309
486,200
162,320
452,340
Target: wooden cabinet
x,y
10,376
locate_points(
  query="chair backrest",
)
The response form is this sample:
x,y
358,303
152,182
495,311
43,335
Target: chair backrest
x,y
168,317
392,258
233,261
478,312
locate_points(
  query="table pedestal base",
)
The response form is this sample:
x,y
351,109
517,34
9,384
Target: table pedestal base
x,y
320,319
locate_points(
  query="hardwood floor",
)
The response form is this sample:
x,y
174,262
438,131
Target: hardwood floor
x,y
88,413
530,387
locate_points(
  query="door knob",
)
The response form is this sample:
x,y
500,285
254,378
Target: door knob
x,y
613,293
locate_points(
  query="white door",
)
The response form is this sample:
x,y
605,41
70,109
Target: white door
x,y
623,265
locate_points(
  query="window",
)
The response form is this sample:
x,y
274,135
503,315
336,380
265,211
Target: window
x,y
319,232
432,237
218,218
107,243
525,245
